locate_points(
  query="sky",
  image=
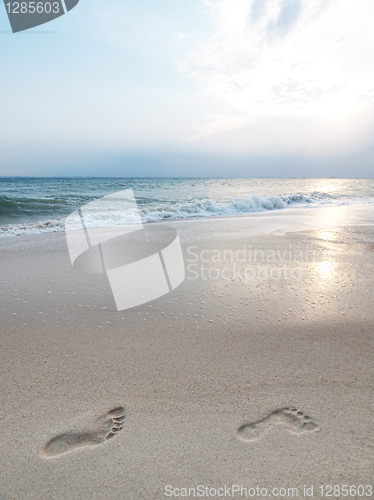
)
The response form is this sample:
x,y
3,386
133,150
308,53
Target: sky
x,y
236,88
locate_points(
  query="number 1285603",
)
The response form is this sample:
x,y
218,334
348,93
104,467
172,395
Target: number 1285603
x,y
33,7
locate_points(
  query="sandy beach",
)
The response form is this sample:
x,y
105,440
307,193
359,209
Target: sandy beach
x,y
187,250
258,378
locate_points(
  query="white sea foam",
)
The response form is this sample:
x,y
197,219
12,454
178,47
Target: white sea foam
x,y
49,226
157,211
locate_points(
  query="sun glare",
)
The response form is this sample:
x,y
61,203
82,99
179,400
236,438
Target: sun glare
x,y
337,109
324,267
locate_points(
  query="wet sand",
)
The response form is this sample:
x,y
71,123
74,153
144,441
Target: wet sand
x,y
258,378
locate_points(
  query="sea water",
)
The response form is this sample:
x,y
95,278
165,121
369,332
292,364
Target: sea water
x,y
38,205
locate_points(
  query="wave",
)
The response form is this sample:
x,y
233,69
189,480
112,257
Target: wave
x,y
236,206
9,203
157,211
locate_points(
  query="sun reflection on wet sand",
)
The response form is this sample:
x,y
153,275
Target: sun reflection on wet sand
x,y
325,268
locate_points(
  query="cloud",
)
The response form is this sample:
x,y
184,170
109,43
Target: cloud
x,y
284,58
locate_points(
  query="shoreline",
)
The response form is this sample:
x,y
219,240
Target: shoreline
x,y
364,216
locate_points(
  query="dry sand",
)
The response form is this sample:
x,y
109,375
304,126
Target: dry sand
x,y
267,383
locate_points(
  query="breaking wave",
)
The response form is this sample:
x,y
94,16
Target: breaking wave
x,y
157,211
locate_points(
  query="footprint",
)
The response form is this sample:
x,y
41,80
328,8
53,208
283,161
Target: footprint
x,y
99,432
291,419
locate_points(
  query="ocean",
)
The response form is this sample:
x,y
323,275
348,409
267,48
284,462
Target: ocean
x,y
39,205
